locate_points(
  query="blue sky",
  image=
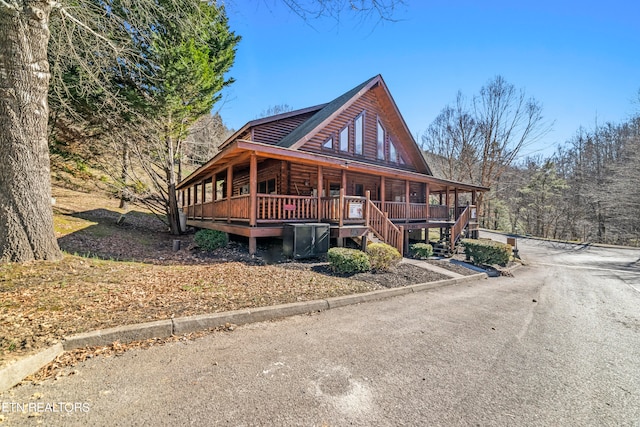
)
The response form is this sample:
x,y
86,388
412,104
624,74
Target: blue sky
x,y
581,60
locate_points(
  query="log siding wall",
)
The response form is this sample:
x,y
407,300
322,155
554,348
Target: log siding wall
x,y
372,110
273,132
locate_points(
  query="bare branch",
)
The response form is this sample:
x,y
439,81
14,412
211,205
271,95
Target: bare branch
x,y
64,13
12,7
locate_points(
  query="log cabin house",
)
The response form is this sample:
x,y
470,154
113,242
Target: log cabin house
x,y
351,163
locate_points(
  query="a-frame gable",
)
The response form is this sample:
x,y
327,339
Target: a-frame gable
x,y
359,116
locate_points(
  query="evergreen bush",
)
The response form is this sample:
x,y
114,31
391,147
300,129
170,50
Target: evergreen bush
x,y
383,256
348,261
421,250
487,252
210,240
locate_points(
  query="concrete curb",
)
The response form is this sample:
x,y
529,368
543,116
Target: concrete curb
x,y
17,371
127,333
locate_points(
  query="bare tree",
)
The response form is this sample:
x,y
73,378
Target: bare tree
x,y
276,109
454,137
204,139
25,195
25,212
481,141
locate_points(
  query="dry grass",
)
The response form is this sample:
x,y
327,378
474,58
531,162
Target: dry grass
x,y
129,274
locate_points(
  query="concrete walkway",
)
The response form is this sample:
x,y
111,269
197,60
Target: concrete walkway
x,y
434,268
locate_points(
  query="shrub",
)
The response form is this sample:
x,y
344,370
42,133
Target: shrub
x,y
382,256
210,240
421,250
487,251
348,261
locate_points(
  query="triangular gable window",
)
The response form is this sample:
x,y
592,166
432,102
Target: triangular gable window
x,y
328,145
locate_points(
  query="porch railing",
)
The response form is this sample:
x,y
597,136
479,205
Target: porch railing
x,y
338,209
239,207
277,208
460,224
383,228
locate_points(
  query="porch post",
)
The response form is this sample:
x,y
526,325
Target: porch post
x,y
366,209
427,194
405,241
455,202
341,207
202,200
320,189
407,196
343,184
448,202
229,191
474,194
383,191
253,190
253,200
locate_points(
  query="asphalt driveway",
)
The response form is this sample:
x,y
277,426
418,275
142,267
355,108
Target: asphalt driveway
x,y
558,344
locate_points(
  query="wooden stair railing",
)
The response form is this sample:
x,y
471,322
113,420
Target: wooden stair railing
x,y
460,224
379,223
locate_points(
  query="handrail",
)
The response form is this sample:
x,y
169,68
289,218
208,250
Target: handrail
x,y
379,223
460,224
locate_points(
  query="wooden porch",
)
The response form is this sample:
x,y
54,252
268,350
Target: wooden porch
x,y
264,215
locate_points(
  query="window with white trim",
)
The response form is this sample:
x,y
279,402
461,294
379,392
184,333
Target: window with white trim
x,y
359,134
381,138
344,139
393,153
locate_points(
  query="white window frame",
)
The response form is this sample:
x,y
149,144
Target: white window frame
x,y
343,139
393,152
358,130
380,141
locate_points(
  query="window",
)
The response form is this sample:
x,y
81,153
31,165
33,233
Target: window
x,y
358,190
393,153
328,144
267,187
359,133
208,190
381,138
344,139
221,189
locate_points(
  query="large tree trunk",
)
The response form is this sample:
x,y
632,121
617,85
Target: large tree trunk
x,y
170,168
26,218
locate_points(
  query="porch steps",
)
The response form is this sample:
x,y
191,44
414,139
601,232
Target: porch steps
x,y
441,249
371,238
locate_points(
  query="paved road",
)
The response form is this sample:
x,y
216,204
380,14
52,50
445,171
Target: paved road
x,y
559,344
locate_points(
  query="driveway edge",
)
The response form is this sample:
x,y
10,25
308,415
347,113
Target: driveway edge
x,y
15,372
20,369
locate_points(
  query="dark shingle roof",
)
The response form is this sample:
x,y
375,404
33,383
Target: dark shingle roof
x,y
315,120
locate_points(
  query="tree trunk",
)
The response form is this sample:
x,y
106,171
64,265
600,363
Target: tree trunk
x,y
170,168
26,217
124,173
